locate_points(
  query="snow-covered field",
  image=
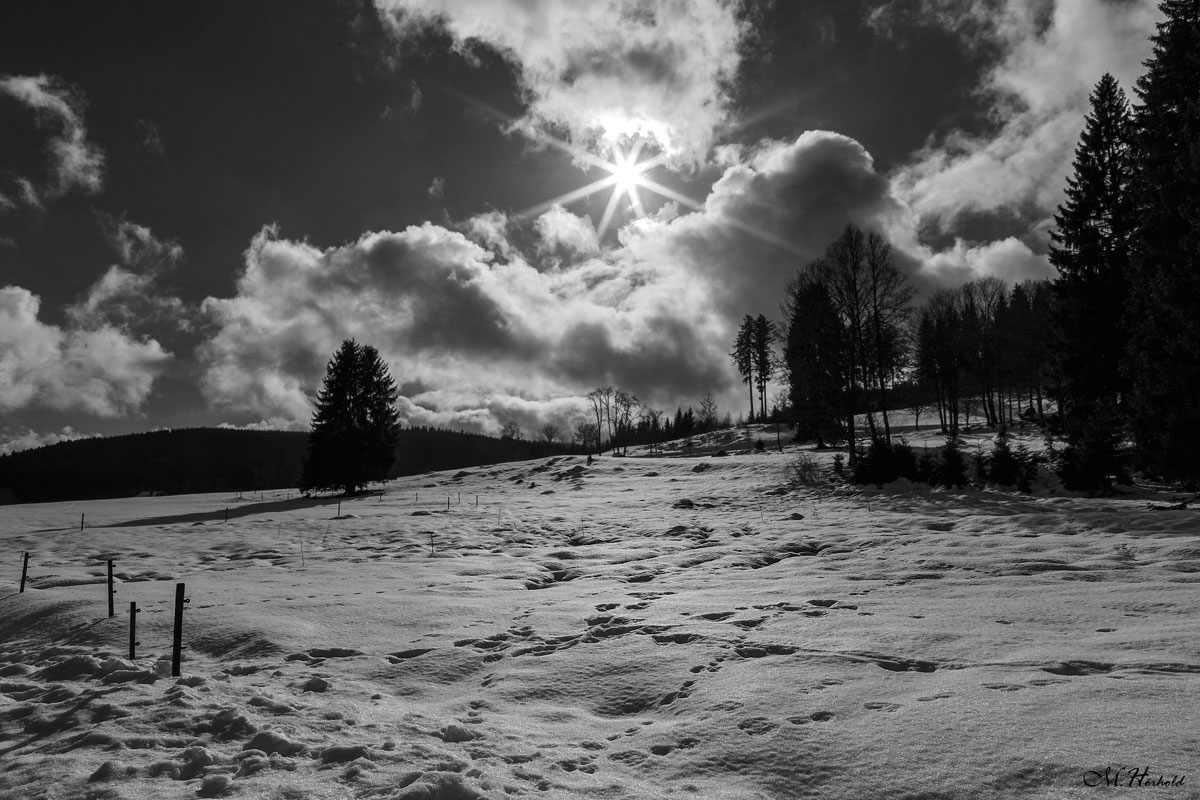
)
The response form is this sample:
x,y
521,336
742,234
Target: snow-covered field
x,y
638,628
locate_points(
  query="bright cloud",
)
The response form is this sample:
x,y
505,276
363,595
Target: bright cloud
x,y
13,441
101,371
479,332
607,68
1052,55
75,163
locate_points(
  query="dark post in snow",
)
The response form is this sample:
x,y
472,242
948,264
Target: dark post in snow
x,y
177,645
227,513
133,642
111,590
24,570
81,522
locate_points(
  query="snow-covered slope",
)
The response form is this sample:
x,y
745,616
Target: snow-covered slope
x,y
637,628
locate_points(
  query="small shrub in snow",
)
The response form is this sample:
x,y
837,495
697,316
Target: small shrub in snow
x,y
1003,467
953,473
883,463
927,468
804,470
1093,460
979,466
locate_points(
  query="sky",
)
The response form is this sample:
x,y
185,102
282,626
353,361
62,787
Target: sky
x,y
514,201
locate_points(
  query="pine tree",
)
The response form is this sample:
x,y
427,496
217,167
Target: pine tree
x,y
743,356
1092,249
355,427
764,359
1164,352
813,358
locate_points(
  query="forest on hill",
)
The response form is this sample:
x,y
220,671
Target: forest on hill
x,y
222,459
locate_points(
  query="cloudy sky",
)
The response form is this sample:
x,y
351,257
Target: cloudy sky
x,y
513,200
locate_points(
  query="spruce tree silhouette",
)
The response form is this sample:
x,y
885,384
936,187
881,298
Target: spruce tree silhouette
x,y
1163,358
356,425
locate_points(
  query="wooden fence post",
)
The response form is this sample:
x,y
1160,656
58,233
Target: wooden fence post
x,y
177,645
133,642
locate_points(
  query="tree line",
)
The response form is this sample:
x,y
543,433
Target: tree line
x,y
1113,340
203,460
621,420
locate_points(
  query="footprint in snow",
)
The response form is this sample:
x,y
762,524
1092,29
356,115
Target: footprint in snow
x,y
889,707
757,726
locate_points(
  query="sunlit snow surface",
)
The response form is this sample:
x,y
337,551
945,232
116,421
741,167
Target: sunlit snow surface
x,y
582,632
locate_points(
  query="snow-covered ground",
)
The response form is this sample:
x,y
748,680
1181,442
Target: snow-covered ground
x,y
637,628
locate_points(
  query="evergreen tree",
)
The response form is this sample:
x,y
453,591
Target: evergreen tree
x,y
355,427
743,356
1092,250
764,359
813,358
1164,353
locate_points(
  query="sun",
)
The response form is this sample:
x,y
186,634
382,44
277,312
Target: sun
x,y
627,172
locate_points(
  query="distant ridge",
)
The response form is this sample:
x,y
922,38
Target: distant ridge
x,y
195,460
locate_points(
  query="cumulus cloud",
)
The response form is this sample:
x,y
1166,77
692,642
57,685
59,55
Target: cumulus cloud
x,y
75,162
496,322
504,320
16,440
102,371
128,296
464,330
1051,54
563,235
606,68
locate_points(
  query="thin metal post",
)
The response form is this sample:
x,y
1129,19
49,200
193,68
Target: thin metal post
x,y
81,522
24,570
111,590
